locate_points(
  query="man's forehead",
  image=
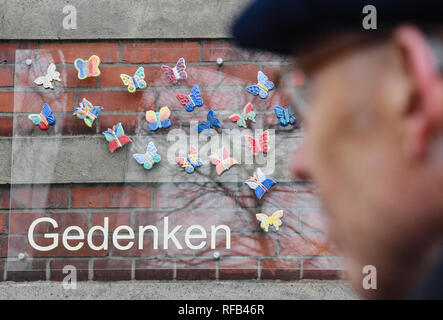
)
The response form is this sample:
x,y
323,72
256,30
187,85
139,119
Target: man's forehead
x,y
313,58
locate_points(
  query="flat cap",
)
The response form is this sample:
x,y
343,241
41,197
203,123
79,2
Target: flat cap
x,y
285,26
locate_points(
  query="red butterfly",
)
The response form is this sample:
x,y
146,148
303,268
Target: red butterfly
x,y
176,73
259,145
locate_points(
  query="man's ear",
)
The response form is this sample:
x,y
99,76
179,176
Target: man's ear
x,y
424,113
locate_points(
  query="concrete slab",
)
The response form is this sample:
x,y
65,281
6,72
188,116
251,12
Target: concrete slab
x,y
157,290
118,19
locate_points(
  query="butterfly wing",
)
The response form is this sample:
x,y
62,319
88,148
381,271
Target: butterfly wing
x,y
119,130
276,216
167,70
165,113
139,77
260,175
248,108
281,115
108,135
140,73
253,144
79,65
196,95
47,113
96,110
127,81
254,89
264,219
35,118
151,118
203,126
43,80
214,122
52,73
181,67
183,99
93,66
140,158
264,81
263,141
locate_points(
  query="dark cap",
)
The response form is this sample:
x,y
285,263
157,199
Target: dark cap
x,y
285,26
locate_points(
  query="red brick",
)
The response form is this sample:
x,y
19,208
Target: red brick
x,y
195,269
4,246
33,101
4,196
68,52
186,196
154,269
280,269
8,51
122,100
69,76
23,197
2,222
160,52
205,218
7,77
61,251
239,74
7,101
244,245
238,269
324,268
297,244
72,125
202,75
238,220
313,220
19,222
228,52
6,126
116,219
56,269
12,245
129,122
66,219
112,270
28,270
111,197
291,196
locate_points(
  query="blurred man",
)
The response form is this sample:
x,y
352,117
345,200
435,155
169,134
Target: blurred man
x,y
373,129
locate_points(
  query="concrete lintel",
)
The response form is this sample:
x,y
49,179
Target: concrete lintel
x,y
118,19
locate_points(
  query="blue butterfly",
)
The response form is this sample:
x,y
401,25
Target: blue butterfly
x,y
193,100
259,183
262,87
212,122
284,116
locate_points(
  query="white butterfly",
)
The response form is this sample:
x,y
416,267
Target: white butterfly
x,y
46,80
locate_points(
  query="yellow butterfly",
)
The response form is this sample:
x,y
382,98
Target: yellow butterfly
x,y
135,82
273,220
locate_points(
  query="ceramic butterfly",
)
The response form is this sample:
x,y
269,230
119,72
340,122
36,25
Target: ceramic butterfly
x,y
247,114
284,116
176,73
87,111
259,183
51,75
193,100
262,87
206,126
258,145
222,160
149,158
87,68
267,221
44,119
116,137
159,119
135,82
190,162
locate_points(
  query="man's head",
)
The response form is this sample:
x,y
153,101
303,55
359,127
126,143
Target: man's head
x,y
374,147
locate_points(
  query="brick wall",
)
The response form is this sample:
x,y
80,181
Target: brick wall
x,y
298,251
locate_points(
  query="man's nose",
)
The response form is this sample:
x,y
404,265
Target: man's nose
x,y
299,167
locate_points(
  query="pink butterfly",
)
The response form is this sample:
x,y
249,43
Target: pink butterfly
x,y
258,145
176,73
